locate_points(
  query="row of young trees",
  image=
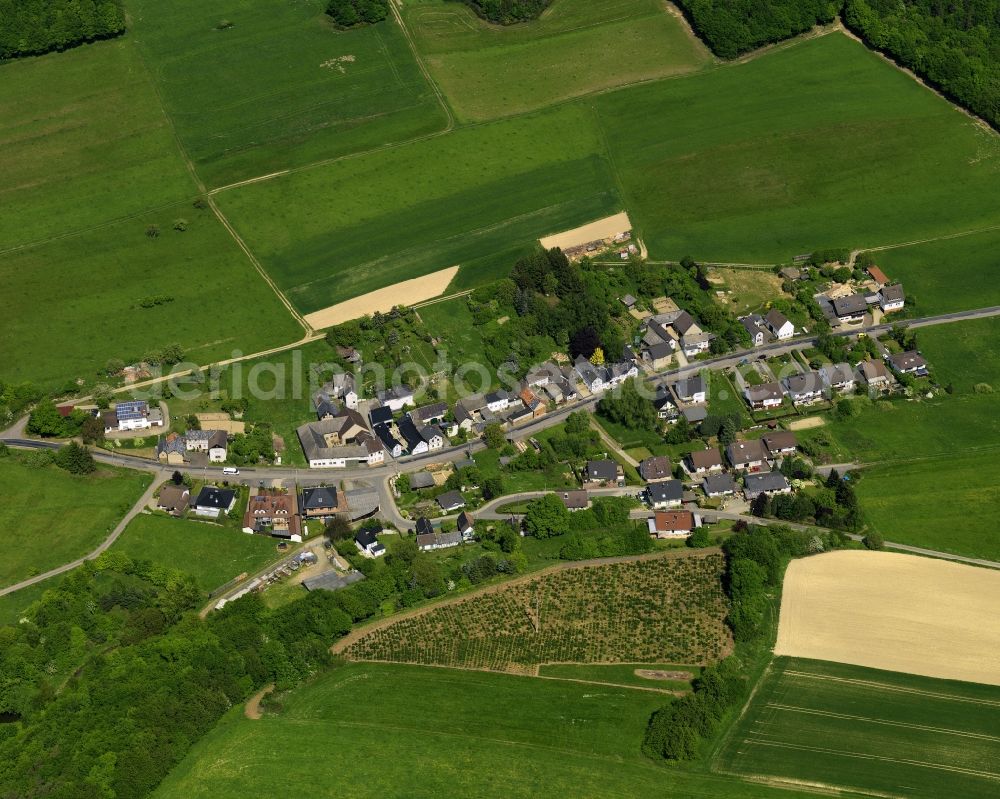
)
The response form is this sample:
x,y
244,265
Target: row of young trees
x,y
348,13
33,27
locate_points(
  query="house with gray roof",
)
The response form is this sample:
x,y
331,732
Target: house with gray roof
x,y
719,485
765,483
838,377
850,309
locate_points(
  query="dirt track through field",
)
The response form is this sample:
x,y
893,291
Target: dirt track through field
x,y
890,611
384,300
594,231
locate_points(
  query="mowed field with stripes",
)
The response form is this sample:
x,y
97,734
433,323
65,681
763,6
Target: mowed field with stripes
x,y
882,733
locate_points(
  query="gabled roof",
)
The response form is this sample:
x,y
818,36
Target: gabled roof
x,y
497,396
605,469
574,500
655,468
667,491
410,433
837,374
683,322
878,275
804,384
450,500
424,526
401,391
384,432
873,370
779,440
365,538
766,481
465,522
851,305
746,451
908,361
174,497
380,415
776,319
420,480
426,412
705,458
892,293
690,386
719,484
673,521
764,391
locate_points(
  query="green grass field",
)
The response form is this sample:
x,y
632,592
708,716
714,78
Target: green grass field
x,y
83,141
472,197
78,299
868,731
211,554
51,517
944,276
576,47
821,144
12,606
281,87
442,732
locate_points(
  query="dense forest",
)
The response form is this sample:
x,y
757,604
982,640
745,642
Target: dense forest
x,y
954,45
348,13
33,27
734,27
507,12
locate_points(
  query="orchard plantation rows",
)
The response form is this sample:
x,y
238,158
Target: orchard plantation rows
x,y
658,610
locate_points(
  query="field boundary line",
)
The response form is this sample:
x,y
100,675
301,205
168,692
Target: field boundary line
x,y
879,758
896,688
885,722
189,164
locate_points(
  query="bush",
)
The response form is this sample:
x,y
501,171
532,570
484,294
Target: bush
x,y
873,541
347,13
980,388
699,538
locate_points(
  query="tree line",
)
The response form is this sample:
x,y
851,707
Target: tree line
x,y
755,563
33,27
507,12
348,13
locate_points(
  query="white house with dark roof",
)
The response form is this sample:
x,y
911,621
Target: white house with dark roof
x,y
804,389
749,455
891,298
213,502
779,325
602,472
665,494
719,485
850,309
692,389
766,483
498,400
397,397
909,363
765,396
757,329
340,441
838,377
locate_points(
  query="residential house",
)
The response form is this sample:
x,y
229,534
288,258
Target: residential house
x,y
575,500
197,440
273,512
429,414
779,325
850,309
532,402
519,415
672,524
804,389
429,541
425,526
397,397
628,301
875,375
693,390
838,377
696,343
368,544
747,455
362,502
695,413
498,401
466,526
389,441
757,328
719,485
542,375
658,344
171,449
780,444
668,494
664,404
340,441
134,415
655,468
909,363
603,472
174,499
218,446
380,415
589,374
704,461
658,355
891,298
790,273
764,396
450,501
420,438
213,502
766,483
323,502
340,387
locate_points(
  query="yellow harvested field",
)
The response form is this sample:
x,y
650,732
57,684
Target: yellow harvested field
x,y
606,228
806,424
408,292
896,612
